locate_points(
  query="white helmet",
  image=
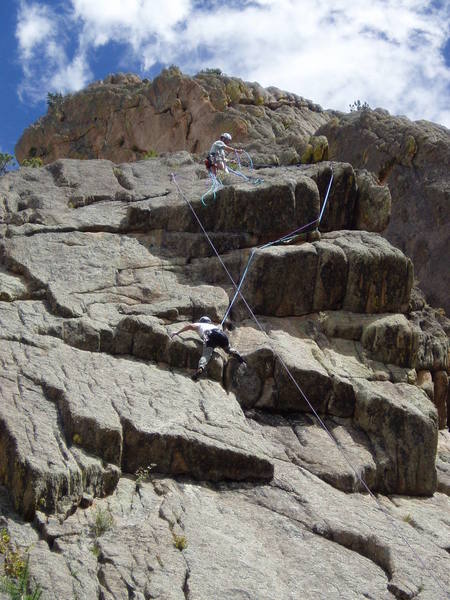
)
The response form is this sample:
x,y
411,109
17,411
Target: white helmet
x,y
226,136
204,320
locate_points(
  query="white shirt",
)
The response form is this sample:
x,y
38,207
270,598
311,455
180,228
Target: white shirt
x,y
218,149
203,328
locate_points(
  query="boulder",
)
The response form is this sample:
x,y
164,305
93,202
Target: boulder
x,y
373,206
379,276
365,274
93,417
443,462
175,538
417,342
440,385
12,287
401,422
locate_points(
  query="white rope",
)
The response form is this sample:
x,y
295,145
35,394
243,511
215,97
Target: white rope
x,y
292,378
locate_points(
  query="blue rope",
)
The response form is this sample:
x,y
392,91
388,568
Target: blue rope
x,y
254,180
238,173
249,159
238,289
326,196
238,159
216,185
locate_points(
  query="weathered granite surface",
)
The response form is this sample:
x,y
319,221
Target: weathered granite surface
x,y
124,118
116,459
412,158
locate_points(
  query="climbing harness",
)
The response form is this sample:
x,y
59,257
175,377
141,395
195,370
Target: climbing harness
x,y
238,288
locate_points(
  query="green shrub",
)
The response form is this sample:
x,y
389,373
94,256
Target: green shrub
x,y
210,72
150,154
103,522
408,519
54,100
357,105
143,474
4,541
20,588
34,162
14,560
5,161
171,71
180,542
16,580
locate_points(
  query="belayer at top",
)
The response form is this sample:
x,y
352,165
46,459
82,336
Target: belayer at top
x,y
217,158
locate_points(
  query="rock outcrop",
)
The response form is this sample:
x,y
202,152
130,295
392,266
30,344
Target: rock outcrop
x,y
412,158
140,483
124,118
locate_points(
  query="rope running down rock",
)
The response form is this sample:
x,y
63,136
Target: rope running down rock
x,y
237,287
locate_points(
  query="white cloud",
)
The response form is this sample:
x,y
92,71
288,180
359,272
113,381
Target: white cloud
x,y
133,21
42,36
34,25
71,76
385,52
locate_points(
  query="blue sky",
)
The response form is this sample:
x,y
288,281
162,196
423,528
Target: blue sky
x,y
389,53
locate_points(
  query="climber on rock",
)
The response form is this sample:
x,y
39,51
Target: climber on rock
x,y
216,158
213,337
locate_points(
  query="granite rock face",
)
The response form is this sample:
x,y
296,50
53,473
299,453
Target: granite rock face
x,y
124,118
136,482
412,158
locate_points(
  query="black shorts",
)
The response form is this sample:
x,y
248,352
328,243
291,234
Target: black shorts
x,y
217,339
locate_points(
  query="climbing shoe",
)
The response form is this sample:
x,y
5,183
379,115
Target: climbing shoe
x,y
197,374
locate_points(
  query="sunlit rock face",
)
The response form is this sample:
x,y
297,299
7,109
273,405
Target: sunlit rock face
x,y
139,482
124,118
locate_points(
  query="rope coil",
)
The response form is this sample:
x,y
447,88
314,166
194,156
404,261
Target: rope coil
x,y
217,183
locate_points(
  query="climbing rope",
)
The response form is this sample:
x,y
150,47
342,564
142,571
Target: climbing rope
x,y
250,165
238,172
284,238
216,185
254,180
237,287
